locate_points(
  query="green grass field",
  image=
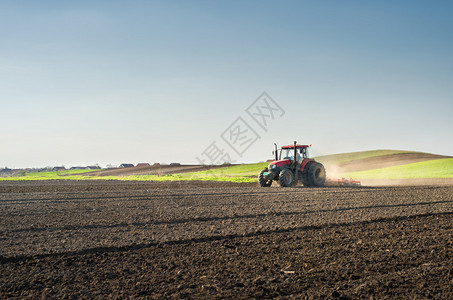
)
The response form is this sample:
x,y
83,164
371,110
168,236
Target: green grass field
x,y
67,174
245,170
239,173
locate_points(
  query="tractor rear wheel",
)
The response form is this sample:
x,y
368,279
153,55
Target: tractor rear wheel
x,y
262,180
286,178
316,174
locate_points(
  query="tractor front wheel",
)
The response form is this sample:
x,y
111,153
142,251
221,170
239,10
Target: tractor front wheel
x,y
286,178
264,182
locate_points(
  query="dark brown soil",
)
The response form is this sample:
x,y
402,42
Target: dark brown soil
x,y
224,240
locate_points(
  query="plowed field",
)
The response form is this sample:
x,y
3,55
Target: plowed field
x,y
101,239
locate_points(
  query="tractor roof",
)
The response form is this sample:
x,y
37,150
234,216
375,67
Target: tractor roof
x,y
297,146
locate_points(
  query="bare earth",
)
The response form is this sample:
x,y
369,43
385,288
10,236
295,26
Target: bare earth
x,y
107,239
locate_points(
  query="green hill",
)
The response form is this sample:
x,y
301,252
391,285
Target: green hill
x,y
439,168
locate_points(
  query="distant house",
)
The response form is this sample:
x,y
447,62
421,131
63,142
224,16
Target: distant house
x,y
93,168
5,171
126,166
78,168
156,164
175,164
58,168
142,165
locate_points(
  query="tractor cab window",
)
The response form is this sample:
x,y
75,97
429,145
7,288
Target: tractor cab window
x,y
304,152
289,154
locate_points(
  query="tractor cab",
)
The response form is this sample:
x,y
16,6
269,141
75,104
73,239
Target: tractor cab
x,y
285,155
287,152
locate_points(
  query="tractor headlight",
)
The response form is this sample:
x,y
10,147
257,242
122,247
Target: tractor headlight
x,y
270,167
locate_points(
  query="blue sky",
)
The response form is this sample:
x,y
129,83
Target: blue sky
x,y
84,82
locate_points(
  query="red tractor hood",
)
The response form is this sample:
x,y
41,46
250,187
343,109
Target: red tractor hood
x,y
279,163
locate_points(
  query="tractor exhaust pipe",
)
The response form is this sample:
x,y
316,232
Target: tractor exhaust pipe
x,y
296,165
276,152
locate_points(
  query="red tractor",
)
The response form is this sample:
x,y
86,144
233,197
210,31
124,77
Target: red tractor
x,y
292,164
